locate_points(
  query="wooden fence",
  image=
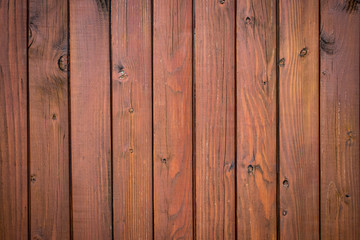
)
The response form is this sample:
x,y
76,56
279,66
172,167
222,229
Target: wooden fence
x,y
179,119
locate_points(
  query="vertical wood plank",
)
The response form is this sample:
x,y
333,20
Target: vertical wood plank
x,y
339,106
49,132
173,119
13,120
299,118
214,68
132,119
256,119
90,119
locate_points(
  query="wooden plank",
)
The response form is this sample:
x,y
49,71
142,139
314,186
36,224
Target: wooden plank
x,y
13,120
132,119
214,69
256,119
172,38
49,131
90,119
299,118
339,129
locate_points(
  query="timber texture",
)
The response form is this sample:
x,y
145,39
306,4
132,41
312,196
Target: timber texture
x,y
179,119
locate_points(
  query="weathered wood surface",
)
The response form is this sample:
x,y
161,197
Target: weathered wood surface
x,y
90,119
172,38
339,129
214,82
132,119
299,119
176,119
256,119
49,120
13,120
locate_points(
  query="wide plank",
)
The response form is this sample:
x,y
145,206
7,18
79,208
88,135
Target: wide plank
x,y
49,119
299,119
172,54
214,100
13,120
132,119
256,119
339,111
90,119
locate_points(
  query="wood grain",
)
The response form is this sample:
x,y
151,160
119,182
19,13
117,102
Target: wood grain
x,y
172,55
339,129
256,119
132,119
49,131
299,119
90,119
13,120
214,64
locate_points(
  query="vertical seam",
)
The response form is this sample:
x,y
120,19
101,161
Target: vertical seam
x,y
69,126
235,118
111,120
193,103
319,105
152,117
277,120
28,120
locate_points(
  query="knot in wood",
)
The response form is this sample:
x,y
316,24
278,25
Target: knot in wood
x,y
349,139
286,183
248,20
250,169
122,75
30,33
32,178
303,52
63,63
282,62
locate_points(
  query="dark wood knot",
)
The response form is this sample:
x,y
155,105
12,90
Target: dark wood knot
x,y
303,52
63,63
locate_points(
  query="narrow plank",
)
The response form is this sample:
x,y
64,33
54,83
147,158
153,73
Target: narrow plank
x,y
214,70
13,120
173,119
49,131
132,119
90,119
256,119
339,129
299,119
